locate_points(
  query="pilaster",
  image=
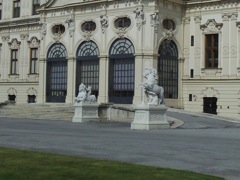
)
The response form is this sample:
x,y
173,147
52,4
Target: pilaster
x,y
71,83
198,57
138,91
180,78
103,79
24,58
238,46
226,45
186,48
5,57
41,97
233,45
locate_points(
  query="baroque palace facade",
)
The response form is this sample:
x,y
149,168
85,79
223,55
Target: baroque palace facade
x,y
47,48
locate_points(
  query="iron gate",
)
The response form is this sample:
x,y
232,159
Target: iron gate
x,y
168,69
121,80
121,72
56,90
87,71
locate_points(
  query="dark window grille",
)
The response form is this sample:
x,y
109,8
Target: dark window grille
x,y
35,6
34,61
88,26
14,61
168,69
192,73
169,24
0,11
190,97
192,40
211,51
121,72
123,22
31,98
16,8
58,29
12,98
56,73
88,66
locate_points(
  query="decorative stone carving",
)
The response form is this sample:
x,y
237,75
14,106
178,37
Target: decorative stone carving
x,y
154,93
32,91
121,33
84,94
210,92
186,20
197,19
71,26
140,17
24,36
34,42
87,35
154,20
238,25
226,17
14,44
12,91
5,38
43,29
211,26
234,16
168,33
104,22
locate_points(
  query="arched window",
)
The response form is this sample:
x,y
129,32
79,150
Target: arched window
x,y
168,68
121,72
87,71
122,47
57,51
56,89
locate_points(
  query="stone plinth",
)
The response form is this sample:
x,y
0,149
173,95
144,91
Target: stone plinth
x,y
85,112
148,117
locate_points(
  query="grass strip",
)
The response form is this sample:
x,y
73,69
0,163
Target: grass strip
x,y
26,165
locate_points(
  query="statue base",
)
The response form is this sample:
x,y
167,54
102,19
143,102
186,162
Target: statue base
x,y
85,112
150,117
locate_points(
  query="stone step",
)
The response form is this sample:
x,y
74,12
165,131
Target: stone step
x,y
39,111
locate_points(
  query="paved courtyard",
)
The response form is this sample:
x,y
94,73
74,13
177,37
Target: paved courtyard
x,y
203,144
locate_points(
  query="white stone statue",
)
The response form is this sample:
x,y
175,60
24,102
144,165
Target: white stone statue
x,y
71,26
104,22
43,28
153,91
140,17
84,94
90,98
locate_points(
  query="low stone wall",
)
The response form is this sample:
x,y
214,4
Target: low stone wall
x,y
111,112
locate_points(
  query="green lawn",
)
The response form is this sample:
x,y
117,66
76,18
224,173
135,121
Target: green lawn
x,y
26,165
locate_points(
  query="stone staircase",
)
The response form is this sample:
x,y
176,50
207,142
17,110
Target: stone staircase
x,y
38,111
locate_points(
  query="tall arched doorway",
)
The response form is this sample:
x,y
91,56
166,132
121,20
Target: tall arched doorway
x,y
168,68
87,71
121,72
56,89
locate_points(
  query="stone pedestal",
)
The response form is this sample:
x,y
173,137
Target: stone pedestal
x,y
148,117
85,112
